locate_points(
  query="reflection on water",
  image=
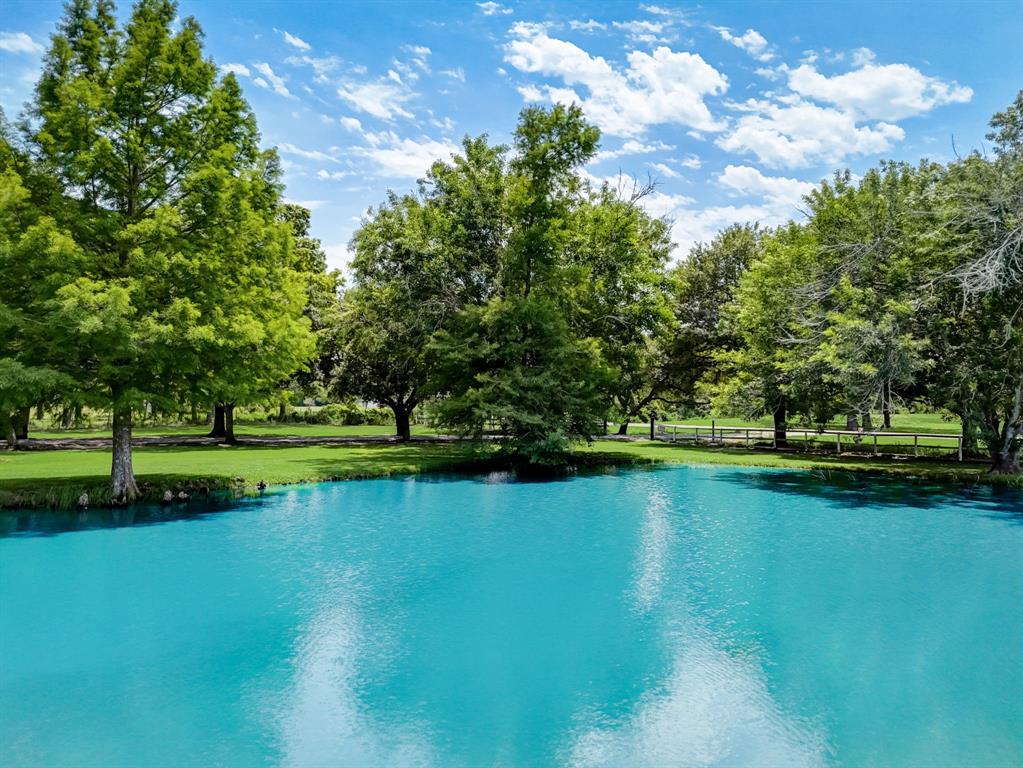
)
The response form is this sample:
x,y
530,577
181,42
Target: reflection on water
x,y
682,617
713,709
322,721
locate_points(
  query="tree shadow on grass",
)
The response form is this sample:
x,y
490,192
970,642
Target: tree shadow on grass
x,y
854,490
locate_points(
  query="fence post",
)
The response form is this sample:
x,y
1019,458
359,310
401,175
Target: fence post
x,y
875,443
838,442
712,422
747,438
651,425
959,441
916,445
774,439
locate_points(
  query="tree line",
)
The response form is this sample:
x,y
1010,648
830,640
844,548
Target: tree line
x,y
149,262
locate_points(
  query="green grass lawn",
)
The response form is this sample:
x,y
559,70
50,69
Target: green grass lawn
x,y
659,451
56,478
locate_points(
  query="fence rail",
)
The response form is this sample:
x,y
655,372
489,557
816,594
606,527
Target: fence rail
x,y
851,439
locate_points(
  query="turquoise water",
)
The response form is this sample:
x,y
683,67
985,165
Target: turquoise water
x,y
677,617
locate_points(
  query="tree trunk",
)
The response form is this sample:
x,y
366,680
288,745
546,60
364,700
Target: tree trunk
x,y
781,427
67,417
623,428
78,416
402,429
123,488
886,404
1005,451
10,433
21,425
229,423
1006,463
219,426
868,423
282,412
850,422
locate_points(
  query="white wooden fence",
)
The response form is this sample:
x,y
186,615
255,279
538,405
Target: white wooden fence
x,y
750,436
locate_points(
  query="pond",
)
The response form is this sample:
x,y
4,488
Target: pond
x,y
669,617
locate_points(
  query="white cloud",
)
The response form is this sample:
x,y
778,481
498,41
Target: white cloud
x,y
874,92
326,175
383,99
750,41
19,42
664,170
455,74
632,147
646,31
490,8
690,161
394,157
294,41
783,194
860,57
803,134
277,82
321,66
351,124
338,255
420,54
664,86
236,69
311,205
769,200
308,154
261,82
587,26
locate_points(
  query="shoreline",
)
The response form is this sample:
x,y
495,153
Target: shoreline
x,y
51,480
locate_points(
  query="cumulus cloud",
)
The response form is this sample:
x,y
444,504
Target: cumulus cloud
x,y
273,80
646,31
321,66
19,42
236,69
661,87
308,154
750,41
384,99
393,157
351,124
324,175
665,170
632,147
768,200
292,40
782,193
586,26
490,8
875,92
802,134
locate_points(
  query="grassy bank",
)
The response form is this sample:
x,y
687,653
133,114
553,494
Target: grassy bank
x,y
57,478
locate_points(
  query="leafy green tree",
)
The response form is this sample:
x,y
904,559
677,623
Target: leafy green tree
x,y
158,160
620,292
702,287
517,363
419,260
974,307
25,236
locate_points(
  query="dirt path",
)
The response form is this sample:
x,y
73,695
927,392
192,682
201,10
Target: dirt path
x,y
184,441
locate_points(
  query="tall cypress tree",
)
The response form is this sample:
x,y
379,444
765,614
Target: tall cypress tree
x,y
159,160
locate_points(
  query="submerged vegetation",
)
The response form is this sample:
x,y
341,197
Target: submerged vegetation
x,y
151,266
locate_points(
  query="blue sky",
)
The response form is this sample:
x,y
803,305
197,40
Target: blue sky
x,y
735,109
